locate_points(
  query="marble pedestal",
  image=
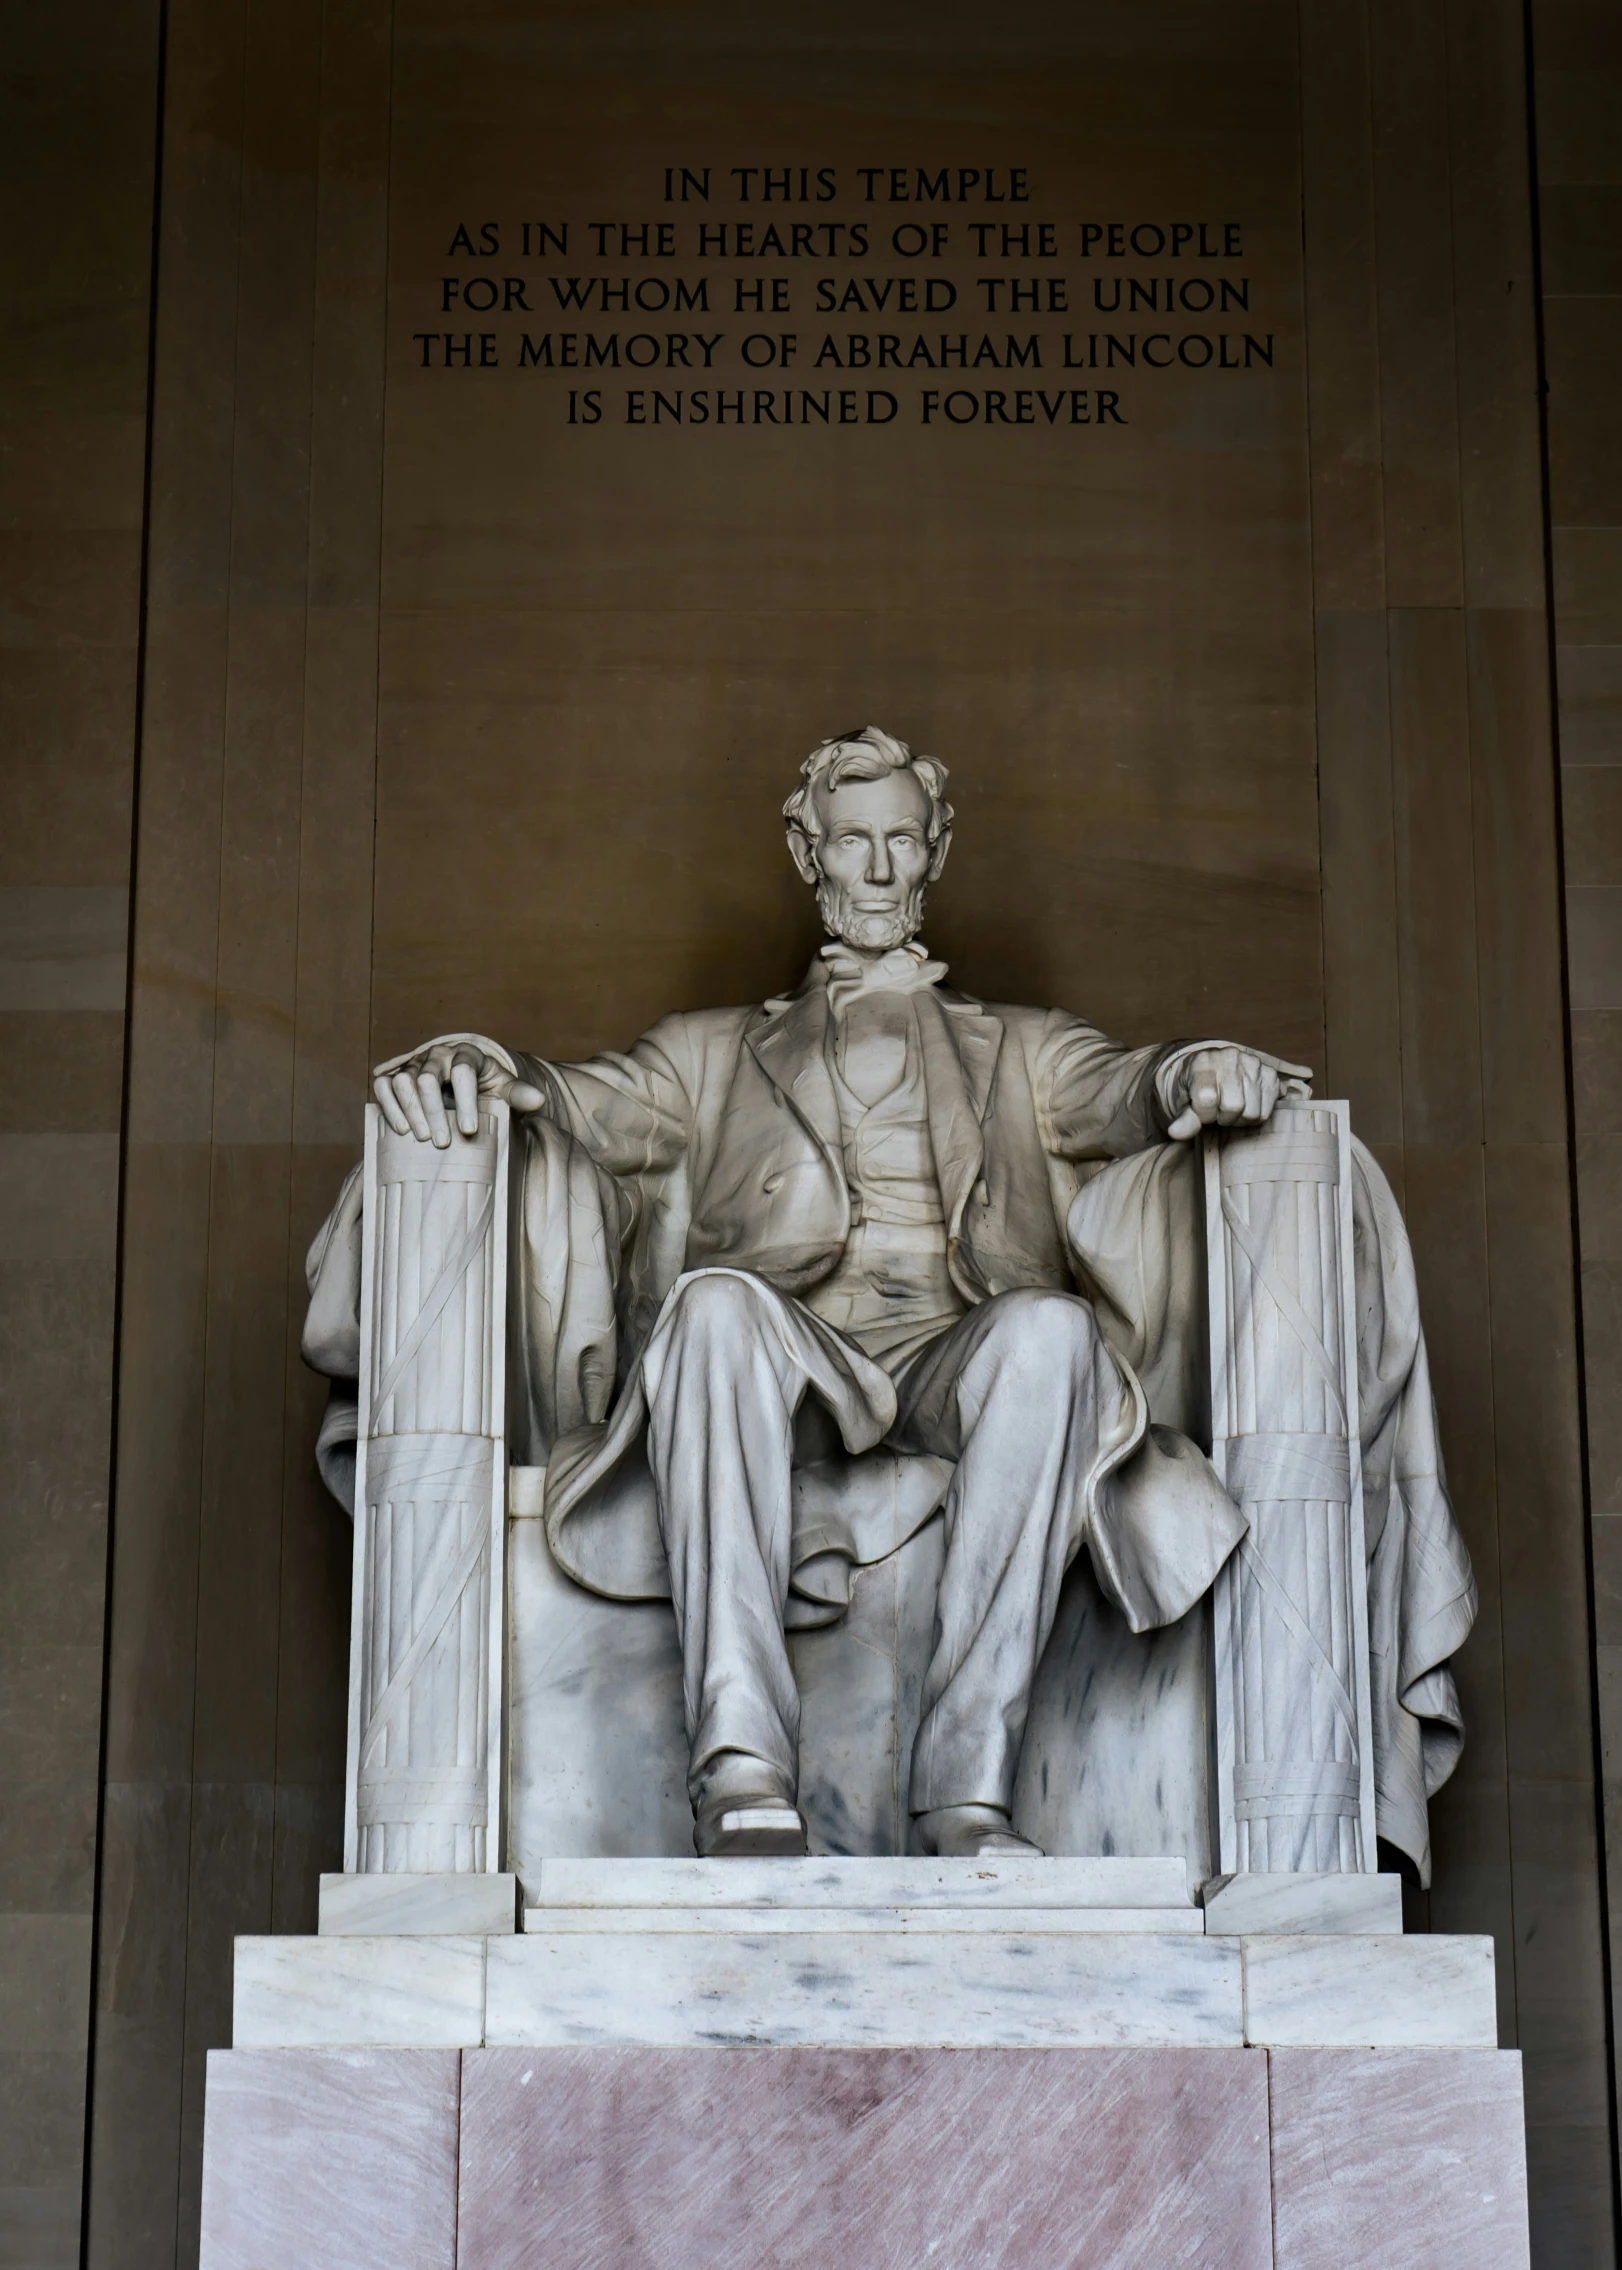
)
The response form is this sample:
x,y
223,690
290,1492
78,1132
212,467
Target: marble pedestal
x,y
876,2062
727,2159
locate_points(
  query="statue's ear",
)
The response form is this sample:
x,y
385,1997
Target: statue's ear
x,y
937,853
803,852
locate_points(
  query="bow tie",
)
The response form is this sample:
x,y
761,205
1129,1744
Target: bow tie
x,y
905,969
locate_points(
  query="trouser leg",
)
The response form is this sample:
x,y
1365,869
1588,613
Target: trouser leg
x,y
1025,1396
720,1438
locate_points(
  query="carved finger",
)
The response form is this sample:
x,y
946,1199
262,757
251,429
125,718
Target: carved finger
x,y
433,1103
1205,1093
1186,1123
1252,1084
1232,1106
405,1087
522,1097
465,1088
388,1105
1267,1092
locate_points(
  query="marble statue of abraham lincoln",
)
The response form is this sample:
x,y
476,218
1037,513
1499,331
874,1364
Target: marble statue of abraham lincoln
x,y
849,1216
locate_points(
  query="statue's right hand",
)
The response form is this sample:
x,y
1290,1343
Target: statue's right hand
x,y
412,1090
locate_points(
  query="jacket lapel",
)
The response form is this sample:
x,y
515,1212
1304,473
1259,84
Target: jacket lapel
x,y
961,1042
792,1052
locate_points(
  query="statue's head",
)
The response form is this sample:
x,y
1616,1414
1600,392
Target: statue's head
x,y
869,826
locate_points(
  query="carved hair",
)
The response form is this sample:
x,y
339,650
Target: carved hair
x,y
867,754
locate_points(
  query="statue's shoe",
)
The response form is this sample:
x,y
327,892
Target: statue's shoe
x,y
752,1832
972,1832
745,1812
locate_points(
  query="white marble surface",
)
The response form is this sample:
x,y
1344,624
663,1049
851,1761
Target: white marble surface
x,y
1294,1736
425,1906
395,1992
597,1759
1370,1991
1014,1881
1010,1922
861,1684
856,1989
926,1975
1304,1903
598,1756
426,1636
1117,1744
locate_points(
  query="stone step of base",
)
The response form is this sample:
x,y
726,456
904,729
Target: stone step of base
x,y
857,1987
1022,1881
753,1921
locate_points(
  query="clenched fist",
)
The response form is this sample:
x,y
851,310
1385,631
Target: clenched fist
x,y
1222,1086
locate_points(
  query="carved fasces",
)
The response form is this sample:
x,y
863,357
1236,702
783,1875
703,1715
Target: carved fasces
x,y
1295,1779
430,1480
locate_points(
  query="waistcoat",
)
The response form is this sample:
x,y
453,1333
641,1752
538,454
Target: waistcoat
x,y
892,1290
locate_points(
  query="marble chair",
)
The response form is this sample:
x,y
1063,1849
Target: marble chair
x,y
598,1758
492,1692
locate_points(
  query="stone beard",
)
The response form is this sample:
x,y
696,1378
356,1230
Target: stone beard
x,y
866,1214
869,933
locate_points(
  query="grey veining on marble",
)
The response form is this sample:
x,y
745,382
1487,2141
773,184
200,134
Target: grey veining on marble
x,y
1370,1990
861,1685
929,1972
597,1757
1323,1902
433,1906
943,1990
1008,1880
1118,1740
394,1992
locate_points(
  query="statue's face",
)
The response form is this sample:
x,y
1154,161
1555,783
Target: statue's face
x,y
874,860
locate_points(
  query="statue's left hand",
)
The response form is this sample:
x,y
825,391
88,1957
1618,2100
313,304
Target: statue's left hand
x,y
1233,1087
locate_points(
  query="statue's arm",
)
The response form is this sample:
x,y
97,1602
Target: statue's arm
x,y
1100,1100
632,1110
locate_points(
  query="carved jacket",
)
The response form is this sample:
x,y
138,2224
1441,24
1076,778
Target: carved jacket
x,y
722,1125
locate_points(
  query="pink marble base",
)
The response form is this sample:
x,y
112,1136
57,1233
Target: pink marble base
x,y
330,2159
1391,2157
868,2158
